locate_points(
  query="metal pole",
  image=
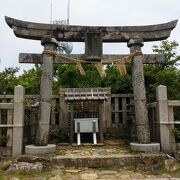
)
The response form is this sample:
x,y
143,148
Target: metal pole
x,y
68,12
51,14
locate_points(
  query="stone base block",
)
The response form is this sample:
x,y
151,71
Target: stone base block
x,y
32,149
151,147
100,161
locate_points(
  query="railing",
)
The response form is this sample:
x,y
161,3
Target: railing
x,y
174,122
11,122
118,116
164,116
153,122
31,109
19,117
31,116
120,110
6,128
20,112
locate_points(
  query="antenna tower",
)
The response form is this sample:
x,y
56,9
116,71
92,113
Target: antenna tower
x,y
66,47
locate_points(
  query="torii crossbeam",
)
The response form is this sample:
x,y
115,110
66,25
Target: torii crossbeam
x,y
106,59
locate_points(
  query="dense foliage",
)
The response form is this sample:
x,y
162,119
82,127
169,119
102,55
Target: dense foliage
x,y
8,80
166,73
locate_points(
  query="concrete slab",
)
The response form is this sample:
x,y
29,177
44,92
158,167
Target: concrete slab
x,y
32,149
151,147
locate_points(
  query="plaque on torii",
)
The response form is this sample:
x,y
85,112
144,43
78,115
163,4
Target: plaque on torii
x,y
94,37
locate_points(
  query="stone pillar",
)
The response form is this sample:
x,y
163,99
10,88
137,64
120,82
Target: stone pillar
x,y
18,120
143,131
42,132
165,117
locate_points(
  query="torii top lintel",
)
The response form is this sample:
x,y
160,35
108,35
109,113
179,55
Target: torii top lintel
x,y
71,33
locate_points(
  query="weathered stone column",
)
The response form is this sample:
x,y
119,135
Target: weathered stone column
x,y
18,120
166,119
143,131
50,44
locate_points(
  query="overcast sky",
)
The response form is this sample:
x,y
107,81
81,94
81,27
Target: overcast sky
x,y
82,12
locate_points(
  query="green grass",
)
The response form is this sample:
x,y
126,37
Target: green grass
x,y
25,174
21,174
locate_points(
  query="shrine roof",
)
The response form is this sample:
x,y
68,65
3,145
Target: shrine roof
x,y
84,94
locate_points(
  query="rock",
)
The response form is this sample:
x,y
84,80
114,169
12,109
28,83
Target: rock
x,y
71,176
138,175
37,178
32,159
72,170
25,166
156,167
165,176
140,167
27,163
151,163
125,176
86,153
89,176
14,178
57,177
108,177
147,160
57,171
172,164
107,172
150,176
62,152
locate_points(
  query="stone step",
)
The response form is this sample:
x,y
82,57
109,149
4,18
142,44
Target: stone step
x,y
108,160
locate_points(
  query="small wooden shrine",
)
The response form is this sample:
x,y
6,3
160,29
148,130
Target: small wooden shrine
x,y
79,107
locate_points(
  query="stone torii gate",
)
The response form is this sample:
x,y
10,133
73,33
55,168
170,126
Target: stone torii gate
x,y
93,36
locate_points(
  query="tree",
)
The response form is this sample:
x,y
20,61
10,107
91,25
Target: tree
x,y
91,77
8,80
65,76
68,76
168,50
118,83
166,73
30,79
